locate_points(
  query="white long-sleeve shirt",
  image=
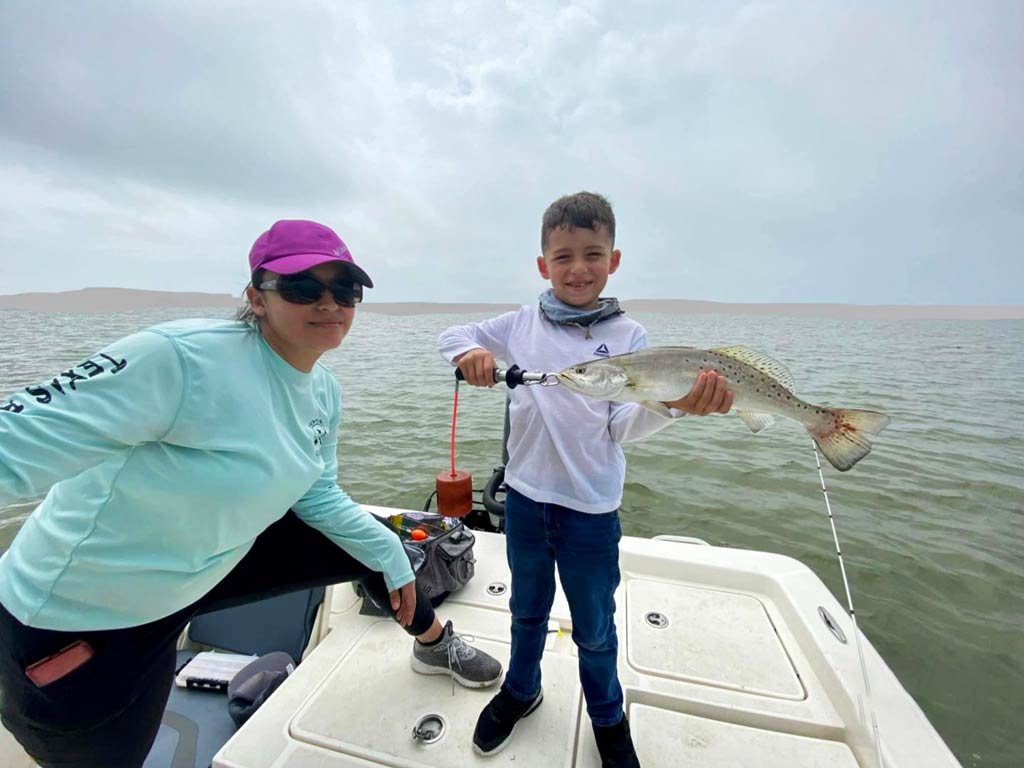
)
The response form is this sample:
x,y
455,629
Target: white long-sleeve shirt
x,y
563,448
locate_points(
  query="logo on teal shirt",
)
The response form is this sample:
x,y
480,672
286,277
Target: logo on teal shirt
x,y
319,432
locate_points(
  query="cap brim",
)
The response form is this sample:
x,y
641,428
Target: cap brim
x,y
300,262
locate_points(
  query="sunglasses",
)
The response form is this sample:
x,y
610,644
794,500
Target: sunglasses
x,y
303,288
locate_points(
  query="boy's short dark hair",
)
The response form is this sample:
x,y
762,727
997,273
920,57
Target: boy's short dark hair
x,y
583,209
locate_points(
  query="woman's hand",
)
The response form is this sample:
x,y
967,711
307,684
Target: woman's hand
x,y
710,394
403,603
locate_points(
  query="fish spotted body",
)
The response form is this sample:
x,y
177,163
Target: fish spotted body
x,y
761,387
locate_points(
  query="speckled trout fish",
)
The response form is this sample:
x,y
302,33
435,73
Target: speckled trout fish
x,y
760,385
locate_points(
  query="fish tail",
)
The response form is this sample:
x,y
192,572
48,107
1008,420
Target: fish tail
x,y
845,438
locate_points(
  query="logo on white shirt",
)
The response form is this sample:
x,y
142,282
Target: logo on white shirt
x,y
602,351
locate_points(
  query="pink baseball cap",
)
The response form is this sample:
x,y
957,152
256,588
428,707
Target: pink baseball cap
x,y
295,245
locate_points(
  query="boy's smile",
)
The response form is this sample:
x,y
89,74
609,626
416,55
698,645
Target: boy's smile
x,y
577,262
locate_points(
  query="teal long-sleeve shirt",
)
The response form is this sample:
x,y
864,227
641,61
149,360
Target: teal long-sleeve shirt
x,y
165,456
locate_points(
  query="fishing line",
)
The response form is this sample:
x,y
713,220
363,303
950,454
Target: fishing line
x,y
455,411
853,616
454,487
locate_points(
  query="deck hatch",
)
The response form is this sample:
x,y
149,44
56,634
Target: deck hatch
x,y
668,739
713,637
370,702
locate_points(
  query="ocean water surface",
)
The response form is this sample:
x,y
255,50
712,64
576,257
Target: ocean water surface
x,y
931,523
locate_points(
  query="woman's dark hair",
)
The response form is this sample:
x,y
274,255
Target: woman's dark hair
x,y
244,313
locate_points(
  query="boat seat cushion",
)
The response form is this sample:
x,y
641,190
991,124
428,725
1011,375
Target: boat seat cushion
x,y
280,623
197,723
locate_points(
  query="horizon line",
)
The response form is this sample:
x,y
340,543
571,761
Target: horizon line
x,y
99,300
500,302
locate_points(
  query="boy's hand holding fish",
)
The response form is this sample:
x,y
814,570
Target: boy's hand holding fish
x,y
710,393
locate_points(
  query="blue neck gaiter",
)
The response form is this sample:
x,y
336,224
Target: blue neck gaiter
x,y
561,313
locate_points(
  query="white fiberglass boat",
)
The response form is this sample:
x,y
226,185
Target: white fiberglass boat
x,y
727,658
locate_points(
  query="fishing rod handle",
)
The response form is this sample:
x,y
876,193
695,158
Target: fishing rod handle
x,y
512,377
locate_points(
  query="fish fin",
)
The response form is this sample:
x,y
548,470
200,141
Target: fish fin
x,y
655,407
847,438
769,366
756,421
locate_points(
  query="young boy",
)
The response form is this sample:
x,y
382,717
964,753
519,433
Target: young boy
x,y
566,468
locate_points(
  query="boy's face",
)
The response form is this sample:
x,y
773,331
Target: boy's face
x,y
578,262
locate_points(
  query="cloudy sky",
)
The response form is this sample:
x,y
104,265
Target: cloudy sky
x,y
863,152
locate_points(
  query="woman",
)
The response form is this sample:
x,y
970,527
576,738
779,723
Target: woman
x,y
172,455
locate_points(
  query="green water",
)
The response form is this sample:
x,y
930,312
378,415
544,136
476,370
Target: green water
x,y
930,522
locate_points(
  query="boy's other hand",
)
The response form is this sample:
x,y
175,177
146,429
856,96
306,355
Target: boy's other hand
x,y
477,367
710,394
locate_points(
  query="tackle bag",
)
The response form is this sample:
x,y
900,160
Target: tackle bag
x,y
448,562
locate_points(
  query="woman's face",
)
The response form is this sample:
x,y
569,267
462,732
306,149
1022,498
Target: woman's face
x,y
301,333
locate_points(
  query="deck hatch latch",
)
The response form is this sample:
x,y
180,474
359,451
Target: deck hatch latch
x,y
429,729
830,623
656,619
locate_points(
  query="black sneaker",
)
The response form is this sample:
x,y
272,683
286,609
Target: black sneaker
x,y
495,725
616,745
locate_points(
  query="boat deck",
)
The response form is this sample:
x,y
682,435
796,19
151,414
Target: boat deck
x,y
725,660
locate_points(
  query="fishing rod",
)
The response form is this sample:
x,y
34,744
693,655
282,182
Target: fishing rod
x,y
853,616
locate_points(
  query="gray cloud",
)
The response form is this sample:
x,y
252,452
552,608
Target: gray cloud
x,y
762,151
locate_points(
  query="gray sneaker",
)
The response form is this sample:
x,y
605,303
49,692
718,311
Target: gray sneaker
x,y
452,655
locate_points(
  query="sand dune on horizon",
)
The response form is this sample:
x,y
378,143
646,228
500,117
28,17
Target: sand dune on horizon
x,y
104,300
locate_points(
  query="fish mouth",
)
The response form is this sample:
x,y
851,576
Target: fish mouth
x,y
566,379
574,383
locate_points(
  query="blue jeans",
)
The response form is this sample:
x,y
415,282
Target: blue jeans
x,y
586,550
